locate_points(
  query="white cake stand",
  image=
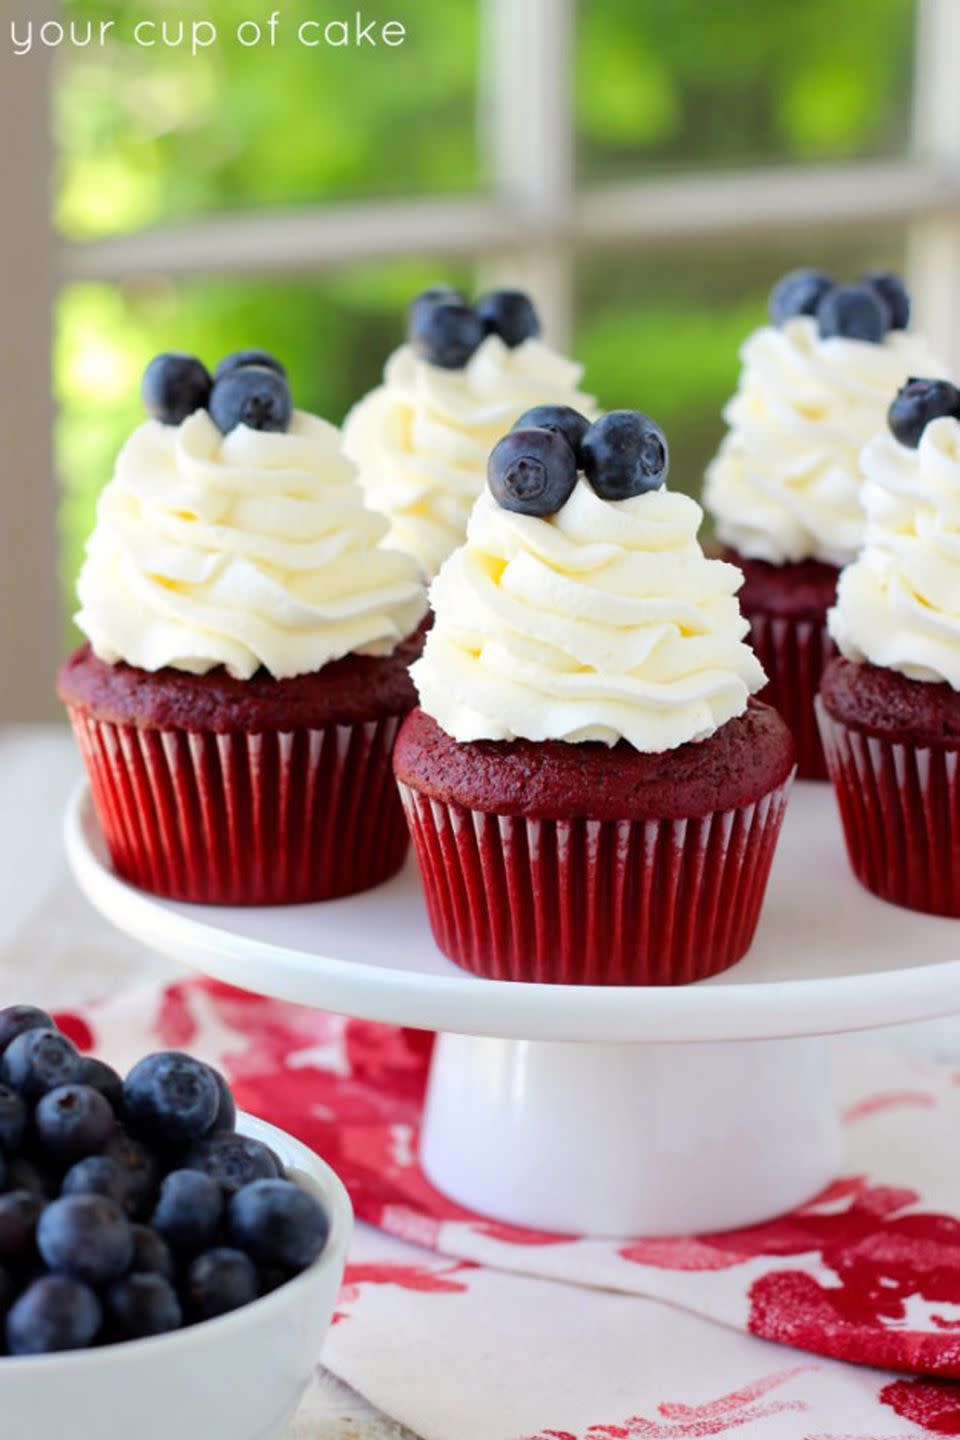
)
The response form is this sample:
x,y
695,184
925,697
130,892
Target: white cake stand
x,y
597,1110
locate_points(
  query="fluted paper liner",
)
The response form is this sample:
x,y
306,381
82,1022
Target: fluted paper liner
x,y
589,902
235,819
900,808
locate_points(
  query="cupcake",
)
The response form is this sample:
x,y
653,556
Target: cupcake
x,y
421,439
244,675
784,488
890,702
593,796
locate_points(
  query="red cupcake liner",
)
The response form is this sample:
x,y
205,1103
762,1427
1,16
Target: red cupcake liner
x,y
590,902
900,808
275,818
794,654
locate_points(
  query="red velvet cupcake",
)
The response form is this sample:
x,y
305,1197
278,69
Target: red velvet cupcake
x,y
890,707
787,606
894,750
595,865
245,677
784,488
592,795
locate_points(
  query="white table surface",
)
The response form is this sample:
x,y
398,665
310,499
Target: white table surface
x,y
54,951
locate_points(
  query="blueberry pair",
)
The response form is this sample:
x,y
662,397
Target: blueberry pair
x,y
877,303
247,388
445,330
917,403
533,470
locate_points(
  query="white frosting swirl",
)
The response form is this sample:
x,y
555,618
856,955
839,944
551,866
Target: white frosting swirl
x,y
785,484
602,622
246,550
421,439
898,605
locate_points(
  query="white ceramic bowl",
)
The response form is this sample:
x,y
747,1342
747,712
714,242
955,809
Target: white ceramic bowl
x,y
240,1377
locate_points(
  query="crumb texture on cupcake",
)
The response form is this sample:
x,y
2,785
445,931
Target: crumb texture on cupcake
x,y
422,438
785,484
602,622
884,703
250,549
898,605
742,762
349,691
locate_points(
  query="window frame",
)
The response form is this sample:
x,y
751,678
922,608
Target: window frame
x,y
528,230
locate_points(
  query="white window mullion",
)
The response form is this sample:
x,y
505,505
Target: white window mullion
x,y
934,243
528,93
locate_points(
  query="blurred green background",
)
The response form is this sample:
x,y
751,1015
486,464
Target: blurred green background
x,y
662,86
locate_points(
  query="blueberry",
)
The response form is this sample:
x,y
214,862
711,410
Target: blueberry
x,y
141,1305
446,333
151,1254
38,1061
23,1175
13,1120
917,403
55,1313
103,1077
6,1291
255,396
798,293
510,314
532,472
138,1169
277,1223
893,292
561,418
219,1281
421,304
188,1211
271,1277
19,1212
241,359
170,1099
98,1175
15,1019
86,1237
173,387
73,1121
233,1161
227,1113
854,312
623,454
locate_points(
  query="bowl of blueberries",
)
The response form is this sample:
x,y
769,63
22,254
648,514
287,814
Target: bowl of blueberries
x,y
168,1268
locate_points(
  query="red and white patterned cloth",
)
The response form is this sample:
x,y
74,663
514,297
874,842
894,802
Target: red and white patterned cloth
x,y
465,1329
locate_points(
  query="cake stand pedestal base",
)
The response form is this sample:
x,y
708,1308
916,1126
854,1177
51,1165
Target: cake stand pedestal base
x,y
624,1140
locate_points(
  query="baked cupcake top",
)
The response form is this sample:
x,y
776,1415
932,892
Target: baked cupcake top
x,y
581,606
422,438
815,386
898,605
234,533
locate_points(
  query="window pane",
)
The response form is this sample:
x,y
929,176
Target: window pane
x,y
333,337
663,333
149,134
683,84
